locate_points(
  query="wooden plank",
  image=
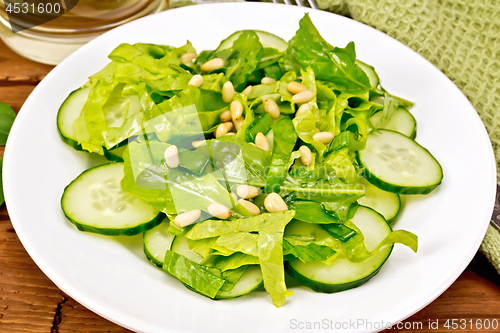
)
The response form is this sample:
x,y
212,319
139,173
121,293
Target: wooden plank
x,y
472,300
15,95
16,70
30,302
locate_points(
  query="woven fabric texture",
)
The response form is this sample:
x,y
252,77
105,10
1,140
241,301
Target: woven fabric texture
x,y
460,37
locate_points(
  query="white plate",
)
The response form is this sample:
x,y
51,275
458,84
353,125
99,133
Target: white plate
x,y
115,280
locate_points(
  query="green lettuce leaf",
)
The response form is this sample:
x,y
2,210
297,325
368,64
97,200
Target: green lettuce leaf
x,y
284,138
231,277
305,126
192,274
270,250
312,212
244,242
309,252
242,58
343,165
233,261
171,191
356,251
215,228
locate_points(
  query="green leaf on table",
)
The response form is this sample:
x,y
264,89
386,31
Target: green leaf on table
x,y
7,116
2,199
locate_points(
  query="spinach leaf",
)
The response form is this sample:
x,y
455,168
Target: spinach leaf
x,y
308,49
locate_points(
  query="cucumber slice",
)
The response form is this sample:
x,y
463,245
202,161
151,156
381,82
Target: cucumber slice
x,y
266,39
68,112
385,203
343,274
115,154
250,281
395,163
402,121
156,242
370,72
95,202
181,246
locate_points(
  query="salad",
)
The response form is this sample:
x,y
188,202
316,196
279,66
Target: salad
x,y
240,165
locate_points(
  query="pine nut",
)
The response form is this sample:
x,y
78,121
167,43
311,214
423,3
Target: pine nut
x,y
228,92
236,109
212,65
234,196
186,58
306,155
248,90
266,80
230,134
261,141
187,218
274,203
172,156
196,144
303,97
247,191
250,206
272,108
223,129
295,87
253,144
196,80
238,123
303,108
225,116
219,211
324,137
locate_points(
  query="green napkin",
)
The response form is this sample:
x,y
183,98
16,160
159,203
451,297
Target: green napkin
x,y
462,39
